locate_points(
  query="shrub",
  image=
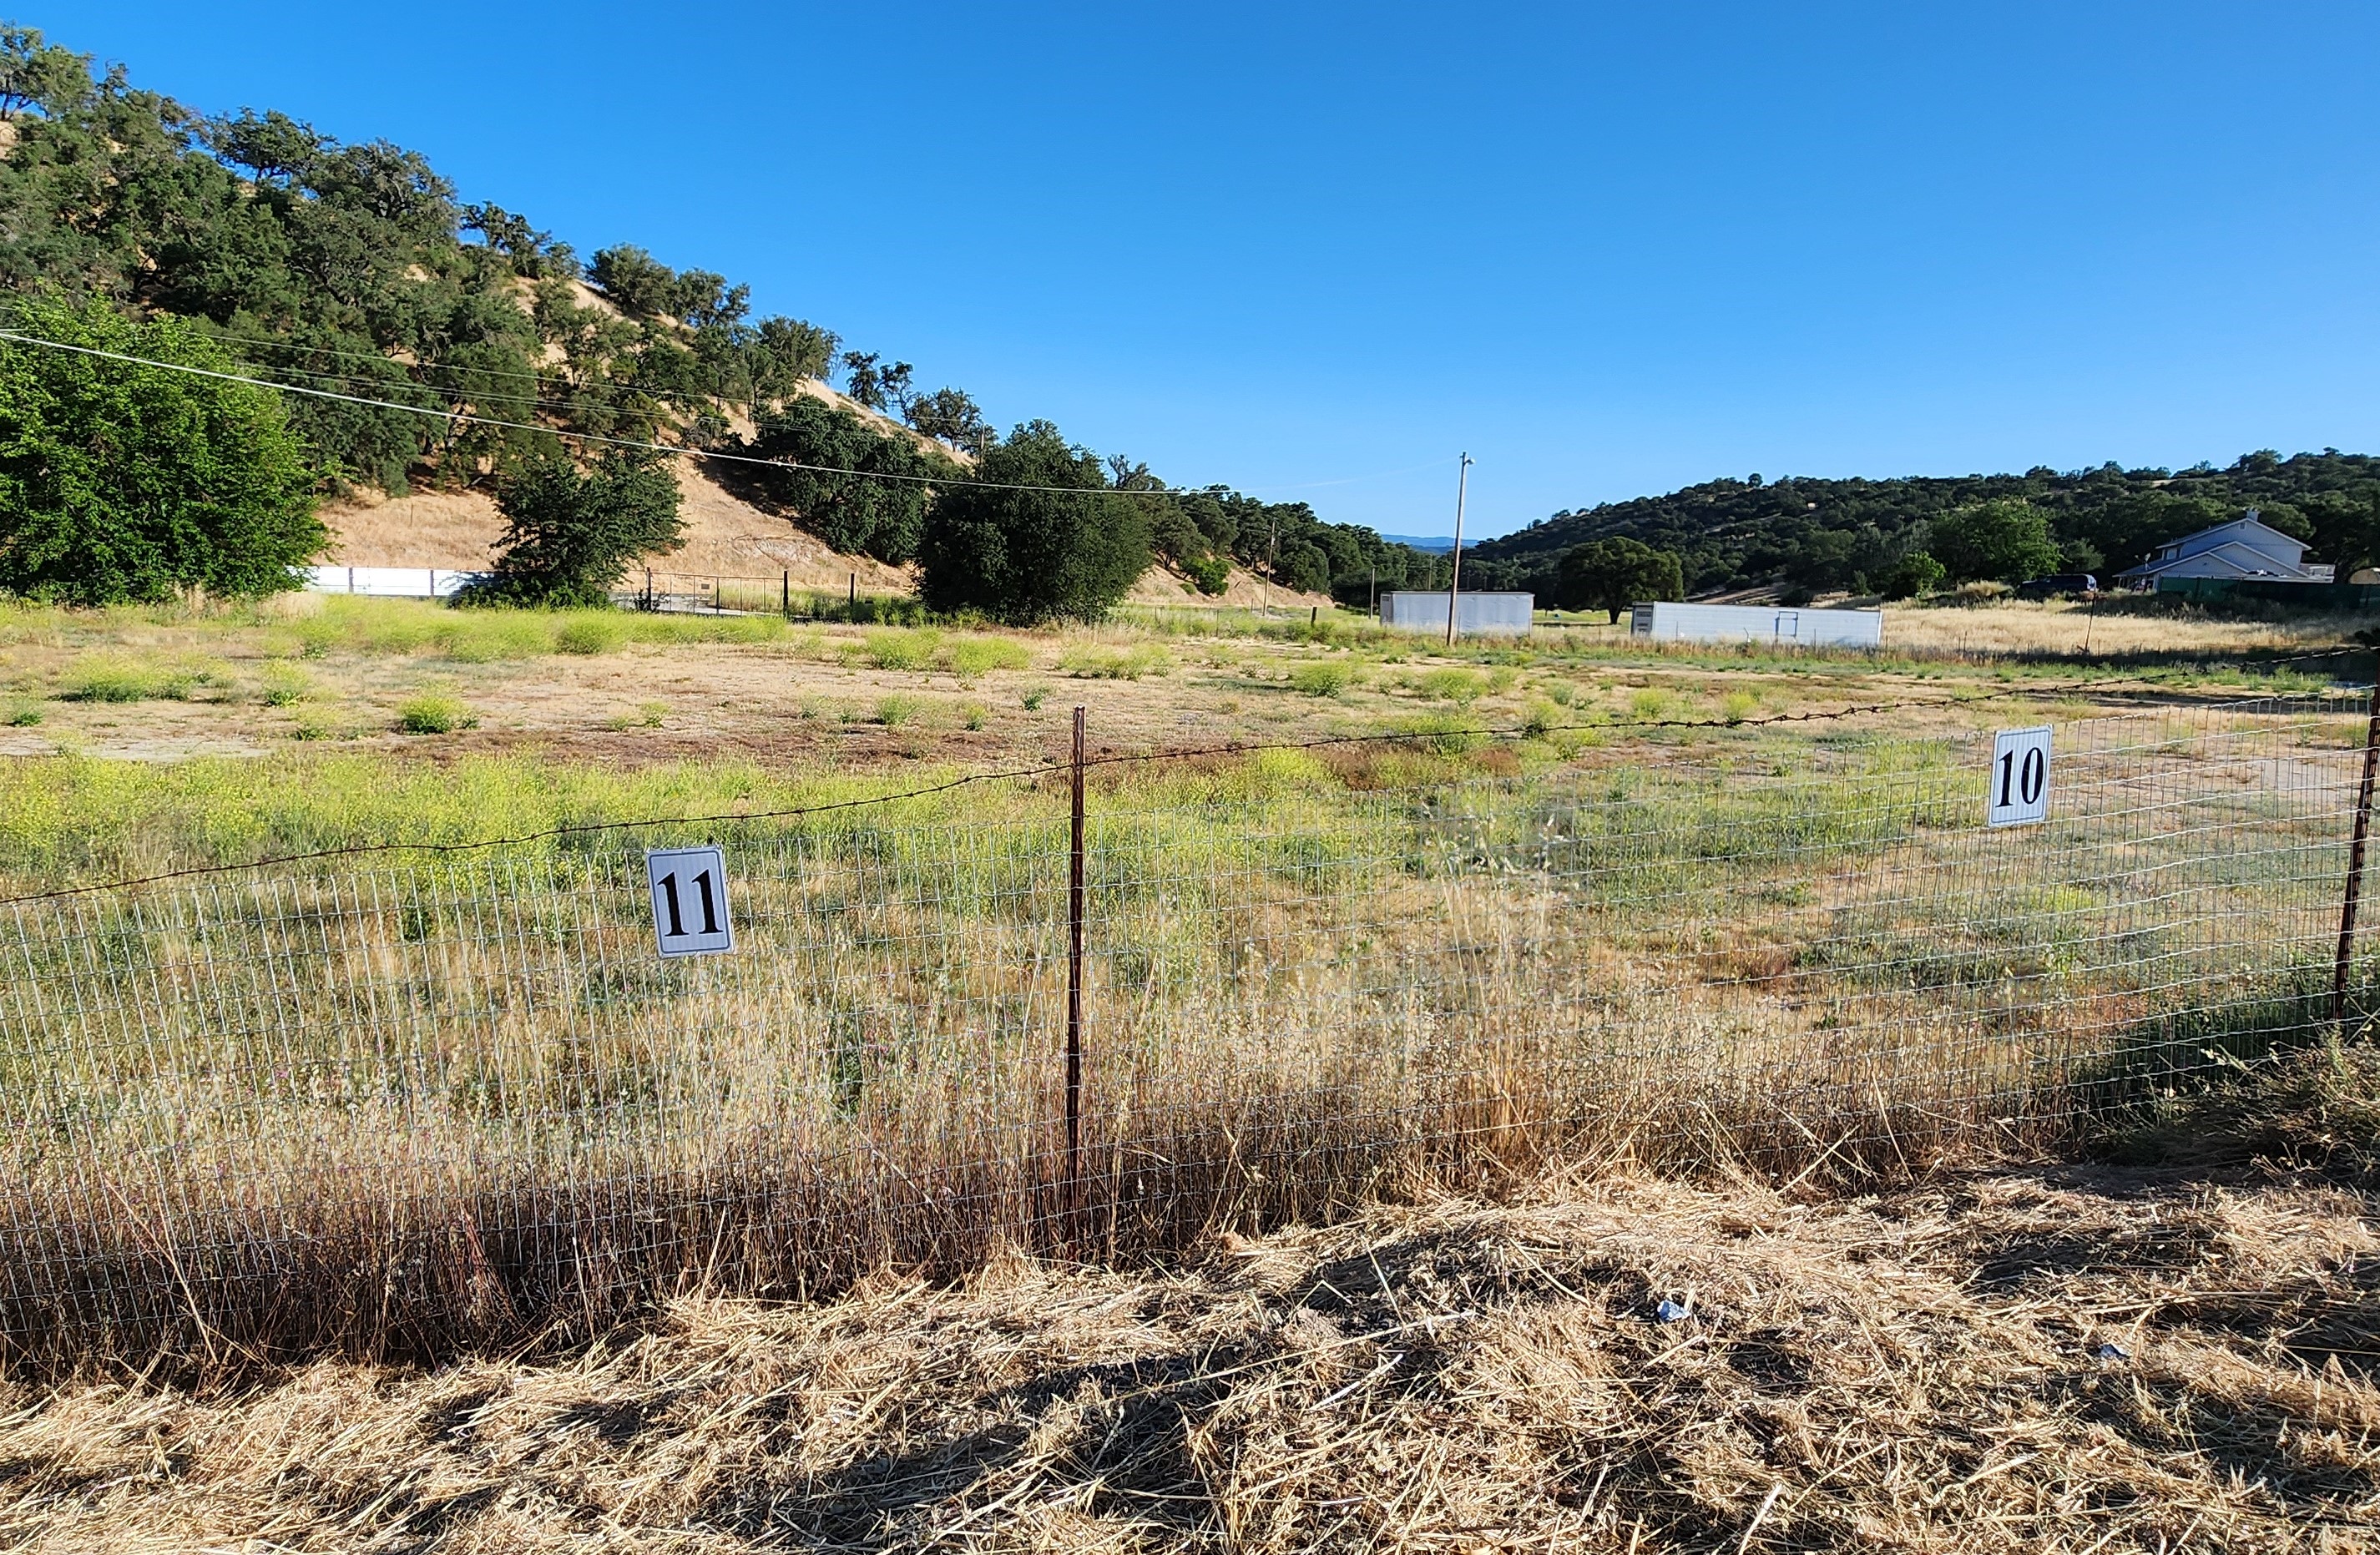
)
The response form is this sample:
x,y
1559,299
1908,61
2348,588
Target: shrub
x,y
894,712
1210,575
1327,678
588,635
1917,572
969,657
21,712
434,713
569,537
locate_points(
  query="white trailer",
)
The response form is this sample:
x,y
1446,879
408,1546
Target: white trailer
x,y
1489,614
1667,622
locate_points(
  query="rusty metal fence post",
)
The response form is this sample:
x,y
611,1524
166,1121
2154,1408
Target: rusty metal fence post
x,y
1075,991
2355,858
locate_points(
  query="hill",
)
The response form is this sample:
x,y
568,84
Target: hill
x,y
1846,534
443,344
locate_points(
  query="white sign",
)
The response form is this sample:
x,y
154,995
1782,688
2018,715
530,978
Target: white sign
x,y
689,886
2020,778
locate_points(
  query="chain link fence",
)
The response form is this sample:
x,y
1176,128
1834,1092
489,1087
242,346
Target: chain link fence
x,y
394,1104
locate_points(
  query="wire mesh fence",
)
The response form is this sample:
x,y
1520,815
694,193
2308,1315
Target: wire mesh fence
x,y
395,1106
762,594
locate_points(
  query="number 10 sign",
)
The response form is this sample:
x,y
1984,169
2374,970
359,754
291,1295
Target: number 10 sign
x,y
689,887
2020,784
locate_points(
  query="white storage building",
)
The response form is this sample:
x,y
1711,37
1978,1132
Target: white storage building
x,y
1479,615
1665,622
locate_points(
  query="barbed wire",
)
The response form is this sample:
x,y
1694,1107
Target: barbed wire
x,y
1531,729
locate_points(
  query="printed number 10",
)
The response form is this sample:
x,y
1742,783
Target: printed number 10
x,y
710,913
2021,783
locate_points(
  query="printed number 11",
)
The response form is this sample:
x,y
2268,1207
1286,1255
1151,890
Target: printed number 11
x,y
710,913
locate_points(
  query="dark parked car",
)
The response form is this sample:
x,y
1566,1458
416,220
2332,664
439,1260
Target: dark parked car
x,y
2056,584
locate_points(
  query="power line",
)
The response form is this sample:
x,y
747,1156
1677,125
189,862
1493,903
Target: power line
x,y
672,450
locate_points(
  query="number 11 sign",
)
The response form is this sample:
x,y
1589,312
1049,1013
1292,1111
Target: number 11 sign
x,y
2020,790
689,887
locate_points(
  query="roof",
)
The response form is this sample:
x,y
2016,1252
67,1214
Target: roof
x,y
2243,547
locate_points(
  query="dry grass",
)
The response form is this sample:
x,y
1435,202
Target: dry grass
x,y
399,1110
2069,627
1929,1370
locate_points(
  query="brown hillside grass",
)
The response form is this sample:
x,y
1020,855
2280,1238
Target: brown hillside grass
x,y
460,530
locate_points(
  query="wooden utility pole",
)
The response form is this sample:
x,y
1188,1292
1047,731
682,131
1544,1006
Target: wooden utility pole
x,y
1455,578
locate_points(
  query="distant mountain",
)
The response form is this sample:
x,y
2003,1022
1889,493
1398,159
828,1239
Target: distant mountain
x,y
1847,534
1435,545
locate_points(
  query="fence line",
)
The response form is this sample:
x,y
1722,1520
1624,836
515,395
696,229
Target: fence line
x,y
396,1103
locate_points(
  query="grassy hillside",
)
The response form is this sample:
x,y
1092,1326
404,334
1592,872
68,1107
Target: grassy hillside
x,y
1847,534
355,269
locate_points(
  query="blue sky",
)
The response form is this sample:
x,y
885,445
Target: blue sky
x,y
1608,251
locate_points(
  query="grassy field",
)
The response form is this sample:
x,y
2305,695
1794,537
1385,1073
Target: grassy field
x,y
452,1099
1571,906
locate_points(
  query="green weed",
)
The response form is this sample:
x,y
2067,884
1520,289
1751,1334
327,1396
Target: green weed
x,y
900,648
1327,677
284,684
1092,661
588,635
969,657
121,680
1450,686
434,713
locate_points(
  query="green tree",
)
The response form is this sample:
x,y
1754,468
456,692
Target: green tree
x,y
38,74
2005,539
951,416
568,536
1029,557
634,282
1611,574
127,482
878,511
1917,572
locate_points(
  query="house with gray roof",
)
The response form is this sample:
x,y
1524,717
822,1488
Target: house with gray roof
x,y
2245,550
